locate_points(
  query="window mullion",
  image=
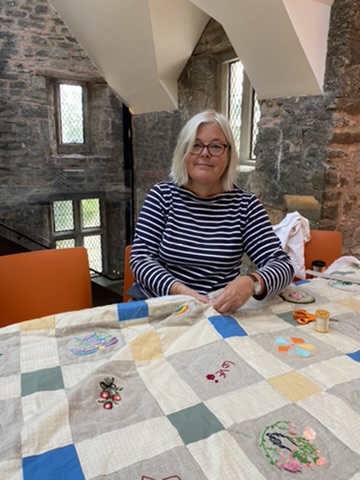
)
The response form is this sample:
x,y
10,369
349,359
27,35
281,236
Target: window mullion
x,y
246,120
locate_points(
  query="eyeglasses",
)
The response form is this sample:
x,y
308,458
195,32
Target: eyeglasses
x,y
214,149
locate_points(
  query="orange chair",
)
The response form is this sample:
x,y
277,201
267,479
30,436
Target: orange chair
x,y
128,274
324,245
45,282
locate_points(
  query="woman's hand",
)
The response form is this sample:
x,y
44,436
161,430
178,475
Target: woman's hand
x,y
178,288
234,295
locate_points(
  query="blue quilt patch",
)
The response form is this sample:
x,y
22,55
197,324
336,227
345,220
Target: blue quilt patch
x,y
355,356
59,464
132,310
227,326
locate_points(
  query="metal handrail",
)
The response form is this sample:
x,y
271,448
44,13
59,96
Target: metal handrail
x,y
26,237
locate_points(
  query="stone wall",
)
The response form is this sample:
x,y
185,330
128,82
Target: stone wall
x,y
340,201
36,48
306,146
155,134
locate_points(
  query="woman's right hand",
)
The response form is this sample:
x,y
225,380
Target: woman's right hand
x,y
178,288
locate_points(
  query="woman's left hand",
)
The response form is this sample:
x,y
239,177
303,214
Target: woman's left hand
x,y
234,295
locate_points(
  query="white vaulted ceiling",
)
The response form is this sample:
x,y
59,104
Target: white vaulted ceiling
x,y
141,46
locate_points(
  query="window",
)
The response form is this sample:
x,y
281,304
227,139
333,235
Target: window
x,y
243,111
71,99
79,223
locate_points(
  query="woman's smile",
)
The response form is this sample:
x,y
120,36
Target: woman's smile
x,y
205,171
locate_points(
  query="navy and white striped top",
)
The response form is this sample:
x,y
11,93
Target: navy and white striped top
x,y
201,241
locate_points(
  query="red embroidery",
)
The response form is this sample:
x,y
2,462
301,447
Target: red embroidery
x,y
110,394
173,477
225,368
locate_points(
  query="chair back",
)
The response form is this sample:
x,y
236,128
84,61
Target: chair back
x,y
45,282
323,245
128,274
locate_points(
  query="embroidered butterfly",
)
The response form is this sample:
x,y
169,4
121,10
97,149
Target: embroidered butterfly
x,y
92,343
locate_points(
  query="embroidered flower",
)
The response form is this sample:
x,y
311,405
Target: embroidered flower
x,y
320,462
309,434
292,466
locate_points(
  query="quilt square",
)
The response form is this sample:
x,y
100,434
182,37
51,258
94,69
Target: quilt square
x,y
10,428
9,354
57,464
344,425
297,346
332,372
38,350
227,326
222,458
41,380
88,343
105,454
175,464
47,414
288,317
349,392
132,310
352,304
177,394
214,369
195,423
291,442
146,346
11,469
89,408
44,323
294,386
355,356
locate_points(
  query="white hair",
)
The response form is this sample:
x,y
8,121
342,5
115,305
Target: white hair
x,y
186,139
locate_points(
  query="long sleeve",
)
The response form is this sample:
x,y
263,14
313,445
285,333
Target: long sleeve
x,y
264,249
201,241
145,249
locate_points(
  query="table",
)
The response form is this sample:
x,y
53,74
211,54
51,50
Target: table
x,y
168,389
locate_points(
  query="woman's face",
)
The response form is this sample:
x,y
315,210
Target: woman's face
x,y
204,169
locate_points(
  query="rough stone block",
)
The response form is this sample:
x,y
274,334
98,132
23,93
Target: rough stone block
x,y
306,205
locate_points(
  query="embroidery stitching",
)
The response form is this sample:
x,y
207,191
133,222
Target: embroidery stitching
x,y
286,449
93,343
295,346
110,394
225,367
181,310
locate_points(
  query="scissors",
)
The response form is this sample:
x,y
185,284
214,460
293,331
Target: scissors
x,y
303,317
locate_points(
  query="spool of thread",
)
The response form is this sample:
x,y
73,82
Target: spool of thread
x,y
322,321
318,265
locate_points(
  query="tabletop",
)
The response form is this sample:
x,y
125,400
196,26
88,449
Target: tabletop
x,y
169,389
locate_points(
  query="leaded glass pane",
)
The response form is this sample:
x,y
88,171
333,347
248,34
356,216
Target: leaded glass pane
x,y
93,245
236,76
72,114
63,215
90,210
255,122
68,243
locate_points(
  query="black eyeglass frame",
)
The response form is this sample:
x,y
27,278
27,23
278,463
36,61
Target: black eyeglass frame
x,y
209,147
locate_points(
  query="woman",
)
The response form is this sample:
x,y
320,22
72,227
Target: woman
x,y
193,231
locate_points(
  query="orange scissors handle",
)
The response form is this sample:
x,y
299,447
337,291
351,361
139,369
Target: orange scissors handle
x,y
303,317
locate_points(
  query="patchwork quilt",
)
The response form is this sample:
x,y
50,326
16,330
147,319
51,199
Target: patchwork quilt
x,y
168,389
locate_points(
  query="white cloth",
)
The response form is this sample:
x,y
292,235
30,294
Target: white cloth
x,y
293,232
343,262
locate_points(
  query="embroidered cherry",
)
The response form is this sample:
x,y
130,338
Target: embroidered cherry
x,y
108,405
110,394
